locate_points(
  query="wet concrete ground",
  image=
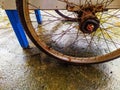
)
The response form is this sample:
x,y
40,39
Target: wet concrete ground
x,y
31,69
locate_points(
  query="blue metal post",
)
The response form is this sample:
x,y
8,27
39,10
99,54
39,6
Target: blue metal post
x,y
17,27
38,16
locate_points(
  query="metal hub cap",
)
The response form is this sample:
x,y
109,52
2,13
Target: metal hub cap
x,y
90,25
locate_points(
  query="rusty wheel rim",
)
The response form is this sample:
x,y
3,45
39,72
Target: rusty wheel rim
x,y
67,42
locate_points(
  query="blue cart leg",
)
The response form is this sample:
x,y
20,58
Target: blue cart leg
x,y
17,27
38,16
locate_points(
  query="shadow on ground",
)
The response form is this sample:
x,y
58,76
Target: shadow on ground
x,y
31,69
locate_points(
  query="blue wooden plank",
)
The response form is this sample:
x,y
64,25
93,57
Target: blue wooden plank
x,y
17,27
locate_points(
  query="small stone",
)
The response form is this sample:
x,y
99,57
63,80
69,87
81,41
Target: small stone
x,y
111,72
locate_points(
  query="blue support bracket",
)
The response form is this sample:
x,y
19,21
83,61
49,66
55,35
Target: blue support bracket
x,y
38,16
17,27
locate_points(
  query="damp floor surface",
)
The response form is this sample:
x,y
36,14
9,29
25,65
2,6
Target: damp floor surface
x,y
31,69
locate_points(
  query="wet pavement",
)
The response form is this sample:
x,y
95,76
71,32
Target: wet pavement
x,y
31,69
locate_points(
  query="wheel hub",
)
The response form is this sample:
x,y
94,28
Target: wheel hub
x,y
89,25
88,22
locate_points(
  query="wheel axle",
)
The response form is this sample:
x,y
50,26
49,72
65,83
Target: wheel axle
x,y
90,25
88,21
